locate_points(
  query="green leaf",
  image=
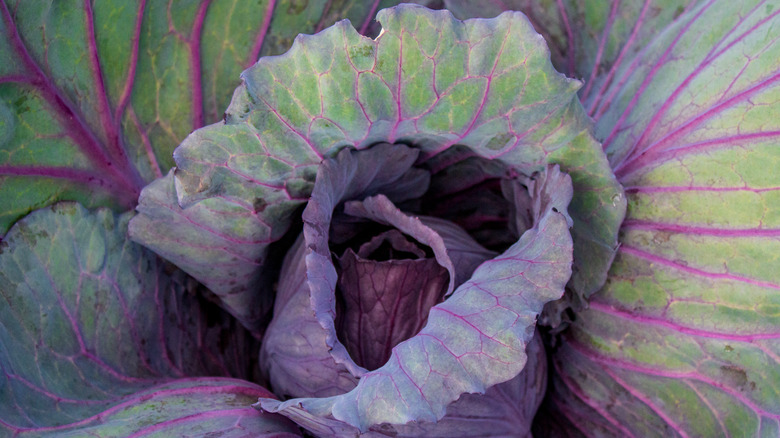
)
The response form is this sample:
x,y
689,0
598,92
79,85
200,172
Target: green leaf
x,y
94,96
92,324
589,39
430,81
683,339
207,406
543,14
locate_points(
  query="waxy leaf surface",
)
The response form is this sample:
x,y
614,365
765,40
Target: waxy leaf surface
x,y
95,95
429,81
684,339
205,406
91,321
589,39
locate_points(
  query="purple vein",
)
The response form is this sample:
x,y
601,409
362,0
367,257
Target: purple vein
x,y
651,76
79,337
24,79
196,75
146,143
85,177
323,19
710,58
487,86
128,88
577,391
369,17
114,141
680,267
292,129
675,189
570,56
48,394
646,320
161,332
710,406
260,38
575,419
618,61
201,416
647,401
707,231
71,120
646,132
623,170
154,394
602,44
399,109
666,374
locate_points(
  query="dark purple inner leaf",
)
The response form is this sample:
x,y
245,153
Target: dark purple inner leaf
x,y
386,290
390,245
384,302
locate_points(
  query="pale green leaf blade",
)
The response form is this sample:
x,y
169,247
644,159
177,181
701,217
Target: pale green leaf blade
x,y
685,333
94,96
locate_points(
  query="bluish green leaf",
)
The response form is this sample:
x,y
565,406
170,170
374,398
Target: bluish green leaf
x,y
430,81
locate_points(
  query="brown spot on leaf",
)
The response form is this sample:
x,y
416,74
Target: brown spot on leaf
x,y
259,205
734,376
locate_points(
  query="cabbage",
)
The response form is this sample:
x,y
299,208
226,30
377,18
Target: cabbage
x,y
416,228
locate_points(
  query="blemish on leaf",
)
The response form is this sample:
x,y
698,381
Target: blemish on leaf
x,y
661,237
362,51
734,376
616,198
499,142
64,209
259,205
19,104
297,6
191,181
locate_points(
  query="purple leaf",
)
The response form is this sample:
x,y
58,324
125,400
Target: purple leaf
x,y
384,303
472,341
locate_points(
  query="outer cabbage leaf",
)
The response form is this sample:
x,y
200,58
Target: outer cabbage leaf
x,y
92,321
94,96
684,338
474,340
543,14
589,39
206,406
603,37
429,80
